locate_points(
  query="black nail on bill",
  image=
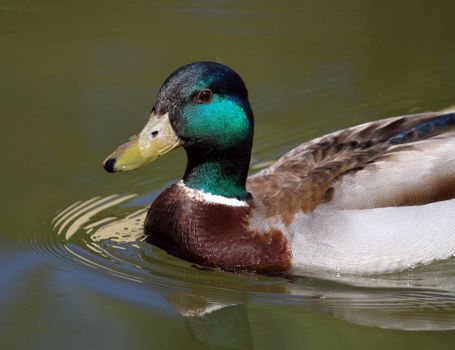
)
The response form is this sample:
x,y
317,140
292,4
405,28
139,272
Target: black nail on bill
x,y
109,165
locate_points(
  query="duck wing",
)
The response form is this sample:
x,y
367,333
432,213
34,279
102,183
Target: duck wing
x,y
406,160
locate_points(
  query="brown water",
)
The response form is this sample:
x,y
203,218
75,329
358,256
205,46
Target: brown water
x,y
77,78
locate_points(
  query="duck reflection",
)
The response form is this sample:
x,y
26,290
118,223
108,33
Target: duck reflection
x,y
215,325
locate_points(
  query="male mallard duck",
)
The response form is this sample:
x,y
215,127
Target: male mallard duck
x,y
372,198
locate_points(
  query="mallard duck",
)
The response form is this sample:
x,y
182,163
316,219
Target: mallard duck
x,y
373,198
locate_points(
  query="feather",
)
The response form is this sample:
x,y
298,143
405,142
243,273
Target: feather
x,y
370,165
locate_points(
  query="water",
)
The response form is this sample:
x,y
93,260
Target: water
x,y
79,77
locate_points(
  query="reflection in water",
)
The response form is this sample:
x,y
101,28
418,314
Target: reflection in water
x,y
106,234
225,328
219,326
79,215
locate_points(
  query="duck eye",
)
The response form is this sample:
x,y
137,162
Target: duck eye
x,y
204,96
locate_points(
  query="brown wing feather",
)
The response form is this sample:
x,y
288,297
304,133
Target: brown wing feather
x,y
303,178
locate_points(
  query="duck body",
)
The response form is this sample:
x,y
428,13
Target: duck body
x,y
374,198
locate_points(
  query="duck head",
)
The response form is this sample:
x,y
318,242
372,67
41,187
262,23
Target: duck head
x,y
203,107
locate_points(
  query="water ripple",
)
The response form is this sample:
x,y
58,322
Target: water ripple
x,y
106,234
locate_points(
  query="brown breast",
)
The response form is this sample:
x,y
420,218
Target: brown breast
x,y
214,234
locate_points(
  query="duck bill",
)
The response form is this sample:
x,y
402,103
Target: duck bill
x,y
157,138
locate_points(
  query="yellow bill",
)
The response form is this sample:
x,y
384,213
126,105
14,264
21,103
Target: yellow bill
x,y
156,139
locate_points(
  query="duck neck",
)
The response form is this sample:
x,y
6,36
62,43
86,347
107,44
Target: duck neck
x,y
219,173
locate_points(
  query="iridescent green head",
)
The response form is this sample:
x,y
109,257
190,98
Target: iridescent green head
x,y
204,107
208,107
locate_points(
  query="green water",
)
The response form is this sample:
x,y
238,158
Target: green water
x,y
78,78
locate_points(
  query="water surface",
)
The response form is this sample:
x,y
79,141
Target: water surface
x,y
78,78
